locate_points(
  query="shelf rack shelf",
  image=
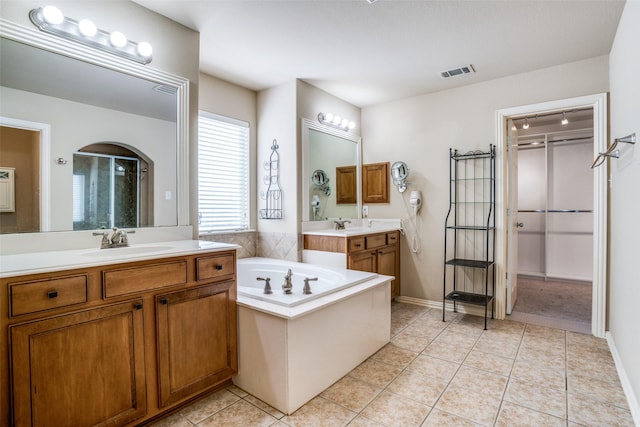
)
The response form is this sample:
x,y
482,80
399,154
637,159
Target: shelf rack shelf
x,y
469,231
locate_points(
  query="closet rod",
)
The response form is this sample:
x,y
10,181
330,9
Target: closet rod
x,y
554,211
554,140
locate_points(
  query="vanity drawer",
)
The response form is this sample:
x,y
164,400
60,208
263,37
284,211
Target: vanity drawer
x,y
123,281
356,244
392,238
215,266
376,240
31,297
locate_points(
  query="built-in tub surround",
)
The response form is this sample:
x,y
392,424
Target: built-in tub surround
x,y
289,354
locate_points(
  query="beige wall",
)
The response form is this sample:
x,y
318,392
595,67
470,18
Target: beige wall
x,y
420,131
624,279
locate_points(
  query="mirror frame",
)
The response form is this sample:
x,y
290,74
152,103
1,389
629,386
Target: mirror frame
x,y
51,43
306,126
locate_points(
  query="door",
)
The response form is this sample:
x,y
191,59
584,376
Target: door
x,y
363,261
81,369
512,215
196,340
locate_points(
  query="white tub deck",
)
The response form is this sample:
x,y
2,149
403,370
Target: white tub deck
x,y
290,354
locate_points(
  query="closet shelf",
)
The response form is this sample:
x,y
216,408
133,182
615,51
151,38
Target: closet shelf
x,y
469,298
462,262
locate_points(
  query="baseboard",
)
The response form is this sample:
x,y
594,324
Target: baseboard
x,y
632,400
473,310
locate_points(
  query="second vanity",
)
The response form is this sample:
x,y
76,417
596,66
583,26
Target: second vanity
x,y
115,336
372,246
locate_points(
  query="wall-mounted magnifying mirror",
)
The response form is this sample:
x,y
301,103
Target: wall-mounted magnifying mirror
x,y
319,177
399,174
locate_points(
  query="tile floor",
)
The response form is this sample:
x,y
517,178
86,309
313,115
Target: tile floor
x,y
449,374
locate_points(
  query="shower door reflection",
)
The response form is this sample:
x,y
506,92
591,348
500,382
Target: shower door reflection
x,y
106,191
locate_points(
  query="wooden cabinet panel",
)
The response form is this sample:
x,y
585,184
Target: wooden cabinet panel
x,y
363,261
324,243
33,296
346,185
124,281
383,259
375,183
217,266
196,340
80,369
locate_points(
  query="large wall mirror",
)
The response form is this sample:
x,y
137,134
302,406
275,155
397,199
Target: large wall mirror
x,y
331,172
96,141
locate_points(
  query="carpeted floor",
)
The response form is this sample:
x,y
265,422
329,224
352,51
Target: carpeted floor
x,y
554,302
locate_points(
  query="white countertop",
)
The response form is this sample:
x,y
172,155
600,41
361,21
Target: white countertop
x,y
44,262
356,227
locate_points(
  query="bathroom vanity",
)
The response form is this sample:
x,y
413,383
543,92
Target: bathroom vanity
x,y
115,336
373,249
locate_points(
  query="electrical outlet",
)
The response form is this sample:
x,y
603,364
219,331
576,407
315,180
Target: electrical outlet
x,y
365,211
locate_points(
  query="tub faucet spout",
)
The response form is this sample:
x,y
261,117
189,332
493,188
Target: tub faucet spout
x,y
287,286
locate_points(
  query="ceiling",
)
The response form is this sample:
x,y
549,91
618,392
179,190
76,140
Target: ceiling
x,y
370,53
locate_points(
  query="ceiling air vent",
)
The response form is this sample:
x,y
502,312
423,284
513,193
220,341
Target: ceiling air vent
x,y
166,89
465,69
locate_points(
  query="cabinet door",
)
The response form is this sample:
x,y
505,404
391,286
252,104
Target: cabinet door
x,y
196,340
388,264
346,185
375,183
81,369
363,261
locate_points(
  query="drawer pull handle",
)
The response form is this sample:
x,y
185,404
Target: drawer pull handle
x,y
52,294
358,245
164,301
137,305
218,267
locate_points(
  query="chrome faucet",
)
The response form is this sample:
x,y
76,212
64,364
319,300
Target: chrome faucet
x,y
340,223
118,239
307,289
287,286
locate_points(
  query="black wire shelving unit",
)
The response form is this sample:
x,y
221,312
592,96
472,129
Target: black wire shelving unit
x,y
469,231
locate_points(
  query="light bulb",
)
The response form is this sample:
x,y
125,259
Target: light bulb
x,y
337,120
352,125
145,49
328,117
344,123
118,39
87,28
52,15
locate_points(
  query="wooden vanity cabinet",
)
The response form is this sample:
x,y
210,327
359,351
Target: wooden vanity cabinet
x,y
116,345
377,253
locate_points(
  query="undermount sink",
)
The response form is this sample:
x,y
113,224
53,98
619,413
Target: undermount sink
x,y
131,250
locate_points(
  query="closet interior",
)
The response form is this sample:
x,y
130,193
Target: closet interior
x,y
555,215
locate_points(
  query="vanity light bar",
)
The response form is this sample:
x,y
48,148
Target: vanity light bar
x,y
336,121
51,20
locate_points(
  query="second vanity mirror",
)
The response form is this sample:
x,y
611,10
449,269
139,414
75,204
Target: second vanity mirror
x,y
69,97
399,174
327,154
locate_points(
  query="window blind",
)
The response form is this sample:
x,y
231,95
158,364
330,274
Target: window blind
x,y
223,173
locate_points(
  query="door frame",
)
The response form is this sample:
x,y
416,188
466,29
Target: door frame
x,y
600,209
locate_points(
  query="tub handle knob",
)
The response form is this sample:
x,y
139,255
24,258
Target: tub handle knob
x,y
267,284
307,289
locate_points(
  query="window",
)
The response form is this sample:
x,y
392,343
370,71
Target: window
x,y
223,173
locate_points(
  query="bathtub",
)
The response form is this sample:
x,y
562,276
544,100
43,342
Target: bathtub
x,y
292,347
